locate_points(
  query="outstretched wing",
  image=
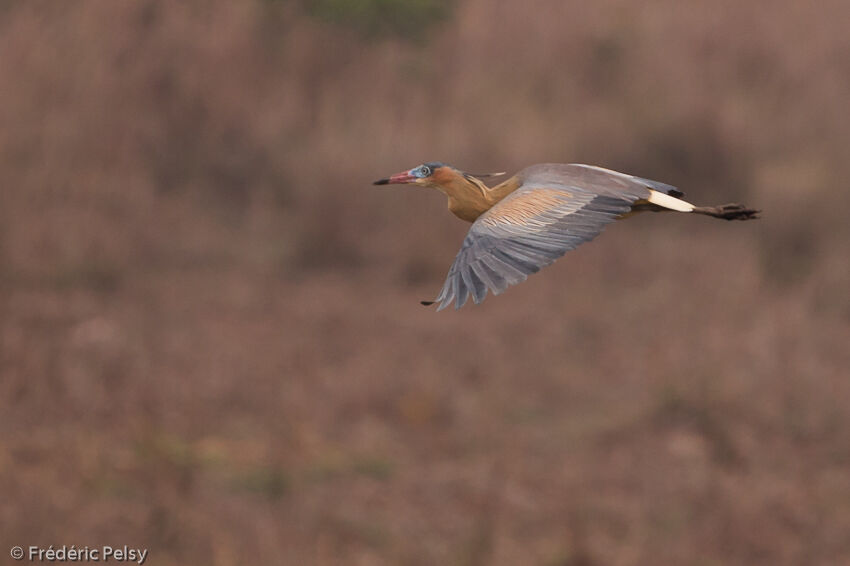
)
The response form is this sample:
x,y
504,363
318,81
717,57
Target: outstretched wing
x,y
555,209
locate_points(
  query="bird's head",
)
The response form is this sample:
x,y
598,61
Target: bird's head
x,y
427,174
433,174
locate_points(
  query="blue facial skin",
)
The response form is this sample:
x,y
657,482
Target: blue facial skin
x,y
426,169
421,172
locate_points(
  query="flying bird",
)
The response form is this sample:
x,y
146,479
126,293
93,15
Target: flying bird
x,y
531,219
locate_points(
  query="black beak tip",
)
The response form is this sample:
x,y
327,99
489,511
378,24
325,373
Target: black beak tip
x,y
382,182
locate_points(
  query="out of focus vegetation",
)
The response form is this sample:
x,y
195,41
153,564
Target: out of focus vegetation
x,y
402,18
210,337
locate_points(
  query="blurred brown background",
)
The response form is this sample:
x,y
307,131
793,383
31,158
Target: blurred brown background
x,y
210,337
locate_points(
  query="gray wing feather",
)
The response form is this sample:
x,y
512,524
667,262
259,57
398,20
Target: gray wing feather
x,y
501,250
594,179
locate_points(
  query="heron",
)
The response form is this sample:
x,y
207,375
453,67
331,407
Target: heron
x,y
534,217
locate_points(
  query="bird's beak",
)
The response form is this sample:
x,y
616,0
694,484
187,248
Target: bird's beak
x,y
397,179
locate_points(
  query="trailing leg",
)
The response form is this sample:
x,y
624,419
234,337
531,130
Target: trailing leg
x,y
731,211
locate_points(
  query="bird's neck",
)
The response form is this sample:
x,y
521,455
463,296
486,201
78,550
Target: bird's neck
x,y
469,197
503,189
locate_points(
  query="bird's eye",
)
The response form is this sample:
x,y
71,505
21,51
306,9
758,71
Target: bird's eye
x,y
424,171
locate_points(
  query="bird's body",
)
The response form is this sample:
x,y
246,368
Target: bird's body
x,y
531,219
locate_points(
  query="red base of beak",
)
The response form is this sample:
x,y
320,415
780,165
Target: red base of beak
x,y
397,179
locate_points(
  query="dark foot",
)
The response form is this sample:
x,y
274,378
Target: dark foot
x,y
729,212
